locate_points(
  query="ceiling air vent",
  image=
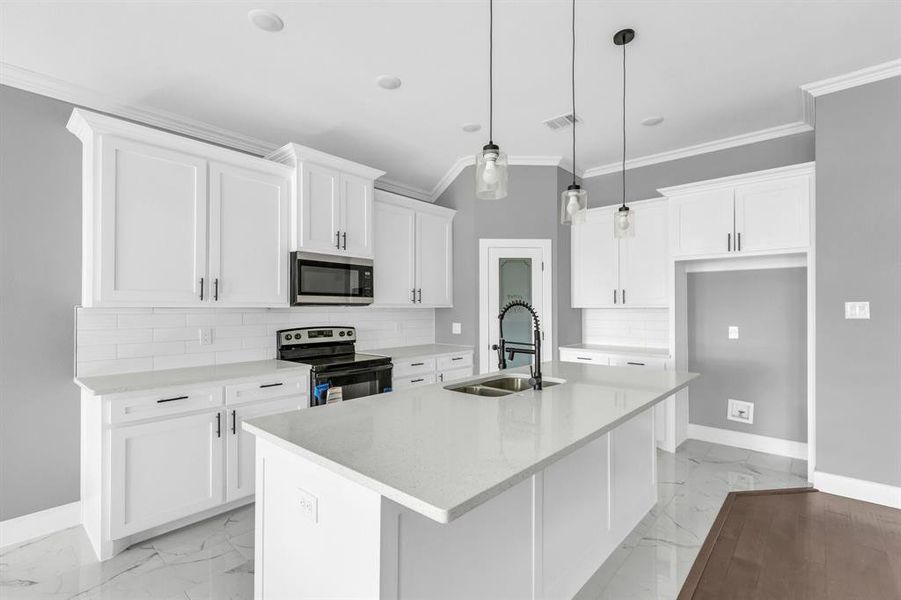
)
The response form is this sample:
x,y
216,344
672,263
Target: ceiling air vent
x,y
562,122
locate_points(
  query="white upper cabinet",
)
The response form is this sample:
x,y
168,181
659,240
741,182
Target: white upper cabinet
x,y
248,236
628,272
760,213
413,252
171,221
332,199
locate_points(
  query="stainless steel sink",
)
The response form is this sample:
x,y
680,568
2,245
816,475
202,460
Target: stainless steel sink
x,y
514,384
478,390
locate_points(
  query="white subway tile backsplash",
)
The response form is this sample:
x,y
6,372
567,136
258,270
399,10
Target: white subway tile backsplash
x,y
151,320
99,352
111,367
211,318
642,327
178,361
217,345
93,337
150,349
245,355
176,334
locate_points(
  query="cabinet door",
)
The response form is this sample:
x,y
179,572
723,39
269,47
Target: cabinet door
x,y
248,236
595,262
356,216
434,260
319,209
164,470
643,259
703,224
153,226
240,455
773,215
395,247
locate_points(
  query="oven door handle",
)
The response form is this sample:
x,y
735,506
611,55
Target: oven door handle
x,y
328,374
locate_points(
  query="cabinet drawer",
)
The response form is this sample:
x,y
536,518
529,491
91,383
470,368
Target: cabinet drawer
x,y
414,366
658,364
408,381
455,361
154,405
455,374
583,356
266,389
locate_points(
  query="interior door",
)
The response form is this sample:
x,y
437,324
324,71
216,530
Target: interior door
x,y
434,260
153,225
165,470
248,236
595,262
643,259
319,214
773,215
703,223
395,247
514,274
356,216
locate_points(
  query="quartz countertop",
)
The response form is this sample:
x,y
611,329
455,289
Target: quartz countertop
x,y
402,352
622,350
147,380
441,453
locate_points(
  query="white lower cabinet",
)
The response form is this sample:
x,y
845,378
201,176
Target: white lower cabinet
x,y
435,368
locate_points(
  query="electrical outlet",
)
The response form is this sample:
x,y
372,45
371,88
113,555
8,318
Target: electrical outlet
x,y
309,505
206,336
857,310
733,332
741,411
456,328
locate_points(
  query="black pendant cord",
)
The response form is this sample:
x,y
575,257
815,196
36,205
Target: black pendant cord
x,y
624,126
574,89
491,71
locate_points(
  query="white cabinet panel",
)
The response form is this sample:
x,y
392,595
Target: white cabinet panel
x,y
773,215
395,247
643,259
455,374
633,457
248,236
703,223
164,470
587,357
595,260
408,381
320,209
153,225
356,216
240,456
434,260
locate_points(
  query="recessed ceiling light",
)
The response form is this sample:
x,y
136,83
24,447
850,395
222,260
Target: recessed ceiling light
x,y
266,20
651,121
389,82
471,127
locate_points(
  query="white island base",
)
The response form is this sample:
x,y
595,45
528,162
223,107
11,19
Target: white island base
x,y
320,535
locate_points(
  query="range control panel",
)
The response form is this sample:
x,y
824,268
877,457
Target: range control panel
x,y
316,335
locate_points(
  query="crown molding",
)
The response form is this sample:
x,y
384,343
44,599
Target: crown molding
x,y
402,189
704,148
807,168
513,161
811,91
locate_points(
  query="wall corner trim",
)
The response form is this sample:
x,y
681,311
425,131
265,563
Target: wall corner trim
x,y
858,489
38,524
811,91
748,441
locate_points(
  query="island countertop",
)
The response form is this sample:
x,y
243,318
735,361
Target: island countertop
x,y
441,453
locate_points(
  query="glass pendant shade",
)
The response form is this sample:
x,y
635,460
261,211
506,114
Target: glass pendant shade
x,y
624,223
491,173
573,205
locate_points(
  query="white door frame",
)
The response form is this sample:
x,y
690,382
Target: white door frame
x,y
547,302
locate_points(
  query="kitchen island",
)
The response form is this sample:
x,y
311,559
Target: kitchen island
x,y
435,493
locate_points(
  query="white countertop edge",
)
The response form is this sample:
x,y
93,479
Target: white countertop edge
x,y
442,515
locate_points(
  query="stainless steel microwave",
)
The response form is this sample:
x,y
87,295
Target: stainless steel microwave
x,y
325,279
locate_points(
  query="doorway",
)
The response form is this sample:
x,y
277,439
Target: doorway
x,y
513,270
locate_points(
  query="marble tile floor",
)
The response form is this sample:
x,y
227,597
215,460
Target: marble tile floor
x,y
214,559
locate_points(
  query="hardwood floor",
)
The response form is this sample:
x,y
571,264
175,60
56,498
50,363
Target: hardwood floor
x,y
798,544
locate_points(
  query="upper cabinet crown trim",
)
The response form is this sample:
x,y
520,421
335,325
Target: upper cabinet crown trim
x,y
807,168
292,154
417,205
615,206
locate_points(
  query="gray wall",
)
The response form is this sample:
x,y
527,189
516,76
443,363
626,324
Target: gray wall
x,y
766,365
529,211
643,182
858,376
40,282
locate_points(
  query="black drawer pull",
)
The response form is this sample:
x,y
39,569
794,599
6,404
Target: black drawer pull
x,y
218,424
637,364
417,380
416,364
584,358
266,385
171,399
457,358
234,421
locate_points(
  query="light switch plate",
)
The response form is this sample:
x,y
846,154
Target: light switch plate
x,y
857,310
733,332
456,328
309,505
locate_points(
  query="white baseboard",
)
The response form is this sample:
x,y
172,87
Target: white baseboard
x,y
858,489
38,524
749,441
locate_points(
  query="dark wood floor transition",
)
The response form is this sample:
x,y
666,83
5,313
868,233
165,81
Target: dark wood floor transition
x,y
798,544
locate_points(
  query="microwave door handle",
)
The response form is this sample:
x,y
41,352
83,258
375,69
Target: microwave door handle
x,y
377,369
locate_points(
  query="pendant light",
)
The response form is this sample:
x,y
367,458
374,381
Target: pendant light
x,y
624,222
491,163
573,200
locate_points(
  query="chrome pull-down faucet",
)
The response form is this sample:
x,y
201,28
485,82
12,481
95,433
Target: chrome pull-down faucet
x,y
535,350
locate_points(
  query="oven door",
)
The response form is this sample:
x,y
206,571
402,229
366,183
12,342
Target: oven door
x,y
354,383
321,279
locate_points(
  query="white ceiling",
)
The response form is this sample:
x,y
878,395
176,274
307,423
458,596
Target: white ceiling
x,y
713,69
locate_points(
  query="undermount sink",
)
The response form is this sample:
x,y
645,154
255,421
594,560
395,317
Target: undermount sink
x,y
500,386
478,390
